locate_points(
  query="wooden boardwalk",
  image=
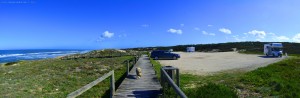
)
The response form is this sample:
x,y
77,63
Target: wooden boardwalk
x,y
147,86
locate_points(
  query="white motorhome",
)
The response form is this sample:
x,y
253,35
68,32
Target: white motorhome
x,y
190,49
273,49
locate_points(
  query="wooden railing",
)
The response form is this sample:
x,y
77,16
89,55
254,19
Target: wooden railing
x,y
112,81
90,85
166,78
136,58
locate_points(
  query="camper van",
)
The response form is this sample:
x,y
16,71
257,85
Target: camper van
x,y
190,49
273,49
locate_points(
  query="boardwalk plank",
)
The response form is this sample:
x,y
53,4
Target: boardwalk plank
x,y
147,86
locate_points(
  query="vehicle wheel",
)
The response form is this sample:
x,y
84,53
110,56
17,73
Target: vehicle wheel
x,y
156,58
174,58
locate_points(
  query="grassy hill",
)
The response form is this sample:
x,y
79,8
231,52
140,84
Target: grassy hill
x,y
60,76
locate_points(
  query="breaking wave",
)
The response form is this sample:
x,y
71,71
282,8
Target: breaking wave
x,y
16,55
10,55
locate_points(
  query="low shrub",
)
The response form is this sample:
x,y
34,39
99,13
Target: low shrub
x,y
211,90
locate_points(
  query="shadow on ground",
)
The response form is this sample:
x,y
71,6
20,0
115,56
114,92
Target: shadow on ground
x,y
131,76
268,57
152,93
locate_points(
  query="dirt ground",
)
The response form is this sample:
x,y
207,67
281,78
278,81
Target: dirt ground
x,y
202,63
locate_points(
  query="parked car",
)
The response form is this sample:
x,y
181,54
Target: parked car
x,y
161,54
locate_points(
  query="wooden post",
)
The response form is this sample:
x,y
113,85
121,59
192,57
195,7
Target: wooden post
x,y
161,76
112,85
167,79
162,82
177,76
127,67
132,61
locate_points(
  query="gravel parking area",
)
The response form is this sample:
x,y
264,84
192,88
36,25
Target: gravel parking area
x,y
202,63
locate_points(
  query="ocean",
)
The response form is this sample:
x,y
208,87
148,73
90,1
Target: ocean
x,y
34,54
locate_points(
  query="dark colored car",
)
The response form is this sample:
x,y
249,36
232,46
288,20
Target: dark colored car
x,y
160,54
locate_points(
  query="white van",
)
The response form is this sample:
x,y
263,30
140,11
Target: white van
x,y
273,49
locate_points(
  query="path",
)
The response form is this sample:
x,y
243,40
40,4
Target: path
x,y
147,86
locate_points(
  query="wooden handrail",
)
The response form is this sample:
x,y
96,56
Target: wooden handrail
x,y
173,85
90,85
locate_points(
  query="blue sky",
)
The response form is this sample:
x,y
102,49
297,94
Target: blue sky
x,y
99,24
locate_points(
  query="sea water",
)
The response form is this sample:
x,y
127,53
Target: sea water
x,y
34,54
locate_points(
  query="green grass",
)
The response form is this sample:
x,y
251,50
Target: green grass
x,y
211,90
296,55
58,78
156,66
280,79
195,86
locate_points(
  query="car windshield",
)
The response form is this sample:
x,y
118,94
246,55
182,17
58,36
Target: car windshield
x,y
277,49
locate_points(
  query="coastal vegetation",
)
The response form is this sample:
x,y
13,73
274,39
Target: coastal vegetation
x,y
60,76
280,79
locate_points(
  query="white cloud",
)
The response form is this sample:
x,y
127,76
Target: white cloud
x,y
145,25
182,25
296,38
273,34
282,38
107,34
278,38
175,31
239,38
206,33
258,34
236,37
196,28
224,30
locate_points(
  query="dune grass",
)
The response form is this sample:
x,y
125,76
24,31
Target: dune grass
x,y
58,78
